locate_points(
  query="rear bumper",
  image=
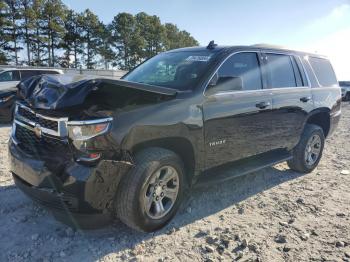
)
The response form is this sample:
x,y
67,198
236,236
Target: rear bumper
x,y
77,195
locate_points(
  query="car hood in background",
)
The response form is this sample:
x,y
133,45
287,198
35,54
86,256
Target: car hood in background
x,y
61,91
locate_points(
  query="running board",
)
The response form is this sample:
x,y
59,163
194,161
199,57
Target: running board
x,y
242,167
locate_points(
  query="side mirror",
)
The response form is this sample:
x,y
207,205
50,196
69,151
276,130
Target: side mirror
x,y
225,83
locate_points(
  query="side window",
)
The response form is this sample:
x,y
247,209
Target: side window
x,y
48,72
9,76
240,72
280,71
25,74
323,71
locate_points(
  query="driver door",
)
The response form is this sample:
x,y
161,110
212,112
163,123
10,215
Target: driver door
x,y
237,119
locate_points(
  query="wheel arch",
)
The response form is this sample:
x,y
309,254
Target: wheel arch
x,y
181,146
320,117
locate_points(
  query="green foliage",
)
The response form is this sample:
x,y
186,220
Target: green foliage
x,y
12,30
92,29
52,34
72,42
4,38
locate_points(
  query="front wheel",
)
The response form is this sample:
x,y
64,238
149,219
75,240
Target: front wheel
x,y
150,194
307,154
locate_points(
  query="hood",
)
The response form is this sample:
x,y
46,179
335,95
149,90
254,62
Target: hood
x,y
55,92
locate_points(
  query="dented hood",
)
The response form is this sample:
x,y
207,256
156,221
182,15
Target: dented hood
x,y
60,91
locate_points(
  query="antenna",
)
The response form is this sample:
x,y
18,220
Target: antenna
x,y
211,45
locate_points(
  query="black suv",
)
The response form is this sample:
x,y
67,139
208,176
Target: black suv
x,y
92,149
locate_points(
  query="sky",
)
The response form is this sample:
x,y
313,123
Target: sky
x,y
321,26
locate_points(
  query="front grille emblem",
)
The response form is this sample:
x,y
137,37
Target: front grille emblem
x,y
37,130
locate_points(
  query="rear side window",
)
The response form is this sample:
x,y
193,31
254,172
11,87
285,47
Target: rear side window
x,y
25,74
9,76
47,72
280,71
323,71
244,66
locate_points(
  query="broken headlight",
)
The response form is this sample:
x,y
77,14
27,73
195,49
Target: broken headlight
x,y
84,130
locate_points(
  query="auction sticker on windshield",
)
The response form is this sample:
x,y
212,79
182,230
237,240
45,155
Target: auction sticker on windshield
x,y
198,58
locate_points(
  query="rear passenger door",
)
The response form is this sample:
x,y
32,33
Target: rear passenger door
x,y
237,111
291,98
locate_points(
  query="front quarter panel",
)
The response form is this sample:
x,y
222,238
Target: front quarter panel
x,y
177,118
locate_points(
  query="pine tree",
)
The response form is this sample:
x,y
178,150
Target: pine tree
x,y
128,41
53,17
13,30
105,49
72,40
4,37
91,29
27,25
39,39
153,33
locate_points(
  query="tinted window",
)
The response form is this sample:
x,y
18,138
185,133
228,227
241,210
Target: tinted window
x,y
48,72
344,83
324,71
25,74
280,71
9,76
243,67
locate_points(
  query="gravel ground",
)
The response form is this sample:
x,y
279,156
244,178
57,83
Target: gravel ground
x,y
271,215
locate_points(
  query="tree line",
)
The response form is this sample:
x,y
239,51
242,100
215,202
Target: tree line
x,y
51,34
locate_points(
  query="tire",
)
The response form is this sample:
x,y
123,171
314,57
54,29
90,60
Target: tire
x,y
130,202
299,162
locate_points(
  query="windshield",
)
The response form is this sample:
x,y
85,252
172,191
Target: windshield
x,y
177,70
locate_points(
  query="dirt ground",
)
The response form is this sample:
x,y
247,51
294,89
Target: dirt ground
x,y
271,215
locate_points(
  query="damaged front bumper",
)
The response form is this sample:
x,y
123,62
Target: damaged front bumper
x,y
78,195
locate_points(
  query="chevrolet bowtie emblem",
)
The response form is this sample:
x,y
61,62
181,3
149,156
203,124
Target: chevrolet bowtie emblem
x,y
37,130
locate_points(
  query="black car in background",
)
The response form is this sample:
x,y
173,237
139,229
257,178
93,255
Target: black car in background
x,y
9,78
345,90
93,149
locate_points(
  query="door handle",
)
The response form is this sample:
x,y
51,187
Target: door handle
x,y
305,99
262,105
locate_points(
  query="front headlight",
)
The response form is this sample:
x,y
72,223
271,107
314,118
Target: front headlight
x,y
85,130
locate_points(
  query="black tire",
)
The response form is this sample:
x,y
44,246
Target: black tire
x,y
298,162
128,202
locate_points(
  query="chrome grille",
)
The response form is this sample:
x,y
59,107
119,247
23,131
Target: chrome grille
x,y
47,125
36,133
33,144
30,115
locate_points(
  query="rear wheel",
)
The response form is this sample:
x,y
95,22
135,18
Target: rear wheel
x,y
150,194
307,154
